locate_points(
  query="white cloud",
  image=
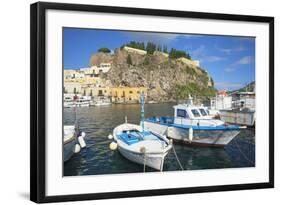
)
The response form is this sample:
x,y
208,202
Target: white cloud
x,y
198,52
242,61
158,38
228,86
229,69
225,50
212,58
245,60
228,51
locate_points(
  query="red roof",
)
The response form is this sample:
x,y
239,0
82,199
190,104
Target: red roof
x,y
222,92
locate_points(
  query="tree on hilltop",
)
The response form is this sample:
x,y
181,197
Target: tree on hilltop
x,y
104,50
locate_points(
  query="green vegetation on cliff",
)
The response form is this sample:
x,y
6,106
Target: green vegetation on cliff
x,y
104,50
150,47
193,89
174,53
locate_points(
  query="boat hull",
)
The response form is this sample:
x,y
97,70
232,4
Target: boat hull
x,y
210,138
155,161
68,149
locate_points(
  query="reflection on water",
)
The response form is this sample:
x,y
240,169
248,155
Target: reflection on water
x,y
97,158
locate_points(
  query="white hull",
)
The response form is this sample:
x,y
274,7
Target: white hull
x,y
101,104
147,151
155,161
218,138
212,138
68,149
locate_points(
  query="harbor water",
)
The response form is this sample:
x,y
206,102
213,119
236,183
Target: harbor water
x,y
97,158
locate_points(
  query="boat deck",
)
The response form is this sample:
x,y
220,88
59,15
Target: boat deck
x,y
135,137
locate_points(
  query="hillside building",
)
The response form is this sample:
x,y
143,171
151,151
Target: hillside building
x,y
127,94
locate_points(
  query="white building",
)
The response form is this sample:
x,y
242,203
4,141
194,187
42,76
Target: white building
x,y
134,50
73,74
102,68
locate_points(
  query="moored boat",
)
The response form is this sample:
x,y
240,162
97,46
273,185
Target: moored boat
x,y
193,125
73,139
142,147
139,145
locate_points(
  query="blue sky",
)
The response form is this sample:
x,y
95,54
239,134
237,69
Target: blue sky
x,y
229,60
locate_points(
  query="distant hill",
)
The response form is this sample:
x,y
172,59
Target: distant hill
x,y
167,79
248,88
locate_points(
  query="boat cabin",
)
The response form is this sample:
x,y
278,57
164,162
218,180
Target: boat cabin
x,y
189,114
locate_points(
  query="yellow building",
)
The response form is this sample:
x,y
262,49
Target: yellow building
x,y
96,91
127,94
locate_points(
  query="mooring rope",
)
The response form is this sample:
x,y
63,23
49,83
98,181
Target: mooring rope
x,y
243,153
177,158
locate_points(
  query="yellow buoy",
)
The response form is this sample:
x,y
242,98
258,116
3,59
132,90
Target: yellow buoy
x,y
113,145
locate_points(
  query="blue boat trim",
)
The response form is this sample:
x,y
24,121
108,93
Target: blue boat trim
x,y
169,121
135,137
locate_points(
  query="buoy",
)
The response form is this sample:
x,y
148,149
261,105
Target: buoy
x,y
81,141
83,134
77,148
110,137
190,134
113,145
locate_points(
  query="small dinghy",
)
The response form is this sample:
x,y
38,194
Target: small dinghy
x,y
142,147
73,139
139,145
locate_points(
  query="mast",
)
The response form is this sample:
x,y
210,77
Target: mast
x,y
142,110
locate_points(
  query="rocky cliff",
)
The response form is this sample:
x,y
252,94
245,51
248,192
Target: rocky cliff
x,y
166,79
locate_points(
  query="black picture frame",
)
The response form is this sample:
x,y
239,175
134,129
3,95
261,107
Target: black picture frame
x,y
38,100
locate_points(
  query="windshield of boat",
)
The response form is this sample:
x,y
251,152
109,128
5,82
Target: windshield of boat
x,y
203,112
195,113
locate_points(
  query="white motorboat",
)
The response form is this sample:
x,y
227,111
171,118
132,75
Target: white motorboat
x,y
68,101
76,100
83,101
101,102
141,146
193,125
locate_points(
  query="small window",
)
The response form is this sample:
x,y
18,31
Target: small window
x,y
131,92
181,113
203,112
195,113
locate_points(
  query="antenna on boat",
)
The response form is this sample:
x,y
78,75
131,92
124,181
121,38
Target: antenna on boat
x,y
142,110
75,98
126,119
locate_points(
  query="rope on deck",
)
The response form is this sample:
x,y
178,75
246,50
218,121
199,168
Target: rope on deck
x,y
177,158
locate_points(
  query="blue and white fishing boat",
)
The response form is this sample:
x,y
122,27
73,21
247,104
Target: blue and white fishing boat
x,y
139,145
193,125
